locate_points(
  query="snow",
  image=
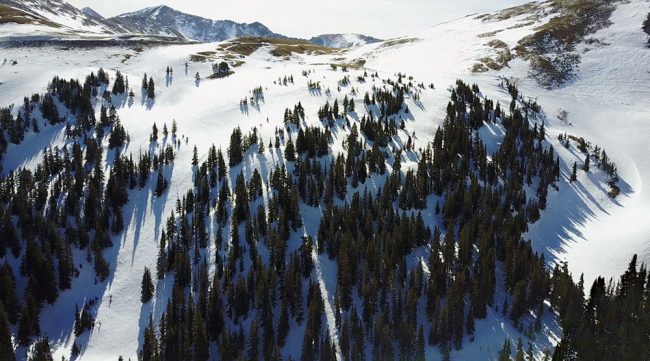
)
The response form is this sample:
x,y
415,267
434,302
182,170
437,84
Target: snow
x,y
64,14
606,104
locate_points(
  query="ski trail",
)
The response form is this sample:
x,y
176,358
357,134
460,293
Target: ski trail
x,y
329,312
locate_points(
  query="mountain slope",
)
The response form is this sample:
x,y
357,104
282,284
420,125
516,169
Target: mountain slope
x,y
163,20
62,14
605,102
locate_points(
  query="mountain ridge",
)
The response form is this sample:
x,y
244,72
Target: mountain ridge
x,y
63,20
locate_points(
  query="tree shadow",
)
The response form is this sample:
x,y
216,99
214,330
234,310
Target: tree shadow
x,y
569,208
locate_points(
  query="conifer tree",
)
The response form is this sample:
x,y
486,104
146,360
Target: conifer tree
x,y
504,354
574,172
6,347
150,349
161,184
41,351
151,92
147,288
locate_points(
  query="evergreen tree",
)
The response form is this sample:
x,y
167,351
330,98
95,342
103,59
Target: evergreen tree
x,y
147,288
150,350
574,172
161,184
151,92
6,347
41,351
504,354
195,157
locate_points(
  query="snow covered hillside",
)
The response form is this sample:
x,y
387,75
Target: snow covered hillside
x,y
371,205
605,102
40,18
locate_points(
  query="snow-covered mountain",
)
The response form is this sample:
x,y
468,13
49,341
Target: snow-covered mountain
x,y
163,20
57,19
343,40
587,74
45,18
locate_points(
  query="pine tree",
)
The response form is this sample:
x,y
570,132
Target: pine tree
x,y
235,150
202,345
6,348
75,350
520,351
41,351
504,354
420,345
150,349
253,342
161,184
585,167
195,157
29,324
151,92
174,128
574,172
289,151
154,133
147,286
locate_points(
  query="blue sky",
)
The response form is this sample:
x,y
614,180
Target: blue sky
x,y
306,18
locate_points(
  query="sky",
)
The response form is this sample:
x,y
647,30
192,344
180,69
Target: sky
x,y
305,18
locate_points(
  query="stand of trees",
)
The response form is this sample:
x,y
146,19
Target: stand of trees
x,y
67,202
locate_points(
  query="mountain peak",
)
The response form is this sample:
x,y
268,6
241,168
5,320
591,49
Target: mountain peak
x,y
166,21
90,12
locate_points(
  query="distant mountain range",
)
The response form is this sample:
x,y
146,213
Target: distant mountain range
x,y
58,18
343,40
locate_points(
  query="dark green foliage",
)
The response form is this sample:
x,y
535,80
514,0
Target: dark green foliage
x,y
41,351
574,172
83,320
118,136
161,185
612,322
151,90
147,289
150,349
235,150
6,347
119,86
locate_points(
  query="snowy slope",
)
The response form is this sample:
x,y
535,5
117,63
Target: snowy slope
x,y
206,111
60,14
605,104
